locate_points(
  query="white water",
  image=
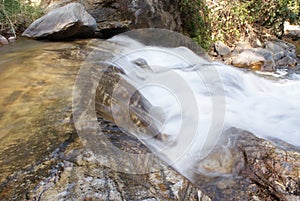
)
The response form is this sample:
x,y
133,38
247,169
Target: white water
x,y
200,99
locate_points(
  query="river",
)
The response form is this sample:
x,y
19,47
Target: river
x,y
196,99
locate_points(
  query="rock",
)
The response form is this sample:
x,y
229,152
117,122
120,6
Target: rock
x,y
241,46
12,39
275,47
62,23
3,41
244,167
111,14
255,58
82,177
278,56
256,43
291,31
284,53
155,14
222,49
287,62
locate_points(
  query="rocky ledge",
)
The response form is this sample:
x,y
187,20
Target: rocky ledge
x,y
244,167
264,57
102,19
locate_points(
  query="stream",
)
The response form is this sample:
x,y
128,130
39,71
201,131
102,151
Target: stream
x,y
193,101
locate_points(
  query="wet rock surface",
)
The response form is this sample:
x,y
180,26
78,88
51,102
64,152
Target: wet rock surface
x,y
245,167
35,114
83,177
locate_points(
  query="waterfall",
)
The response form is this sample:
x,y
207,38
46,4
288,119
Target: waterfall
x,y
200,99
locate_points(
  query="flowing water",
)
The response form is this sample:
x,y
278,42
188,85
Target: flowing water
x,y
196,98
200,99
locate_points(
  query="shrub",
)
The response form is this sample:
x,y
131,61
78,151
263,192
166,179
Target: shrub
x,y
208,20
15,16
196,21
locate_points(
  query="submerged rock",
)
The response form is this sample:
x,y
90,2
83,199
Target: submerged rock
x,y
70,21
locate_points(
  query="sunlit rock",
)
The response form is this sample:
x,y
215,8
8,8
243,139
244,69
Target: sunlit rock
x,y
70,21
255,58
222,49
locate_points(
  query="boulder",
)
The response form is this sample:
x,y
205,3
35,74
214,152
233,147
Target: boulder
x,y
284,53
69,21
116,14
245,167
275,47
255,58
222,49
241,46
3,40
287,62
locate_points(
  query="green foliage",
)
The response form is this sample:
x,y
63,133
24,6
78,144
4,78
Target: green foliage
x,y
207,20
273,13
16,16
194,14
229,20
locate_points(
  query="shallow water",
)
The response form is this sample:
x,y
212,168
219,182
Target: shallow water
x,y
36,81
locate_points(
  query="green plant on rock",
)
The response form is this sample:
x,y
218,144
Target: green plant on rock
x,y
15,15
194,14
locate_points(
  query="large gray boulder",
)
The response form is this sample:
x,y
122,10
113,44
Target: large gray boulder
x,y
69,21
